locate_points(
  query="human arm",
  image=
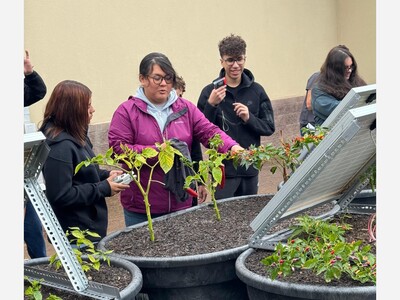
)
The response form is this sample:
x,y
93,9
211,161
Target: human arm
x,y
322,103
310,83
197,155
34,86
209,110
308,100
63,190
66,189
28,67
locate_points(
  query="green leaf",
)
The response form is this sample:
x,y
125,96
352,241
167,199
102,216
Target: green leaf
x,y
78,234
166,160
217,174
311,263
93,234
149,152
91,258
37,295
109,152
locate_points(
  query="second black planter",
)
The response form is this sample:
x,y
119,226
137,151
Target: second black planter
x,y
263,288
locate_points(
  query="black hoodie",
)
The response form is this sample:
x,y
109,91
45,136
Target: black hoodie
x,y
77,200
260,123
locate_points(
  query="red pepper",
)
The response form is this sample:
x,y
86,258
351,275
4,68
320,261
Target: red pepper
x,y
191,192
222,184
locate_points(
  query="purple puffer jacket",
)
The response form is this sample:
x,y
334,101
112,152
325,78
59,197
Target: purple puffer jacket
x,y
133,126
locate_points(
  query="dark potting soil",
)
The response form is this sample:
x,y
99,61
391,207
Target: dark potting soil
x,y
198,232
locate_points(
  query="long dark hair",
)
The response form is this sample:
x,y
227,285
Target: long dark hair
x,y
67,110
332,78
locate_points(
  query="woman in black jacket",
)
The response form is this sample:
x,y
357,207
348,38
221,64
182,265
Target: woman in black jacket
x,y
77,200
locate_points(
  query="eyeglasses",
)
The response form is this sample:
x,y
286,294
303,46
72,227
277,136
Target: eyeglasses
x,y
349,68
230,61
157,79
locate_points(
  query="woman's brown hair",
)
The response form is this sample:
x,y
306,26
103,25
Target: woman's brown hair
x,y
67,110
332,77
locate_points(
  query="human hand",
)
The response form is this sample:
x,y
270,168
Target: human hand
x,y
217,95
116,187
308,100
28,68
202,192
242,111
236,148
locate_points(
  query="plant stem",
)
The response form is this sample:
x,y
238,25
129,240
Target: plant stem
x,y
215,205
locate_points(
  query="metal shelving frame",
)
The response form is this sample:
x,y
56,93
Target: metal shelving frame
x,y
35,154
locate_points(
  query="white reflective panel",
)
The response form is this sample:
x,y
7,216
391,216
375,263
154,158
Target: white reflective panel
x,y
356,97
332,168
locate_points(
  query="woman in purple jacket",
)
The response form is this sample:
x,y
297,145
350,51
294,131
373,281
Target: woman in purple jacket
x,y
156,114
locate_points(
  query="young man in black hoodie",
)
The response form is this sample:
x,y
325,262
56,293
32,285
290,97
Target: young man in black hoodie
x,y
240,107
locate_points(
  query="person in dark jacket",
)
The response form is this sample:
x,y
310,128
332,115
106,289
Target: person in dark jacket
x,y
242,109
34,86
339,74
34,91
77,200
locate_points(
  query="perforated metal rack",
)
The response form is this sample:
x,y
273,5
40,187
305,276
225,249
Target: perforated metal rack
x,y
35,154
332,172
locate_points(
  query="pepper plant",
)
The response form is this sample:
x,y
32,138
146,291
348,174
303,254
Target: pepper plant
x,y
211,172
163,155
284,157
84,247
33,291
320,245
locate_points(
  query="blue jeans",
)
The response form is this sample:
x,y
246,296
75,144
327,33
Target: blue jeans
x,y
33,233
133,218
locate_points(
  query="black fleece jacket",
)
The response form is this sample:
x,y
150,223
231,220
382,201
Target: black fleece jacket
x,y
77,200
34,88
260,123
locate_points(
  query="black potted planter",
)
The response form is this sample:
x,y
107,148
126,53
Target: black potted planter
x,y
201,276
128,293
260,287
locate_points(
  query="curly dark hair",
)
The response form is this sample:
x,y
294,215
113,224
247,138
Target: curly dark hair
x,y
180,84
332,79
232,45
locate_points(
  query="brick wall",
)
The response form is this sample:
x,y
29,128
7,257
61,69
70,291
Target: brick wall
x,y
286,113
